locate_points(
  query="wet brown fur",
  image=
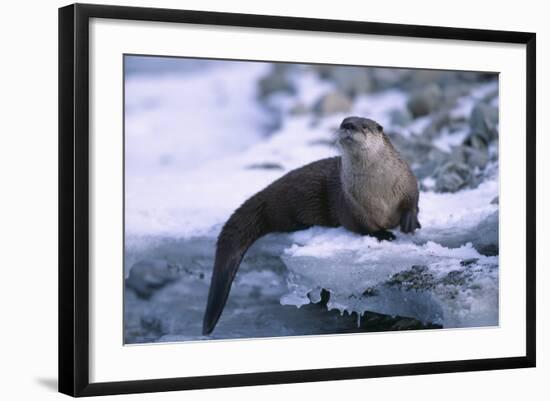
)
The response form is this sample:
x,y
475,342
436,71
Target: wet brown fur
x,y
368,190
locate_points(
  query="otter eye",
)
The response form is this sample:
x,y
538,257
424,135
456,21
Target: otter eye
x,y
379,127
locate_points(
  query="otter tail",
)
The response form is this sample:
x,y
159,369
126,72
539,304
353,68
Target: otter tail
x,y
243,228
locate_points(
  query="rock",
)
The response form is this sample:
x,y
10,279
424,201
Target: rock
x,y
473,157
331,143
456,278
424,157
476,157
298,109
352,80
493,150
457,124
410,324
453,83
483,125
417,278
491,96
426,169
452,177
414,149
331,103
385,78
473,77
468,262
454,90
400,117
378,322
450,182
440,120
276,81
265,166
151,323
476,141
147,276
425,101
421,78
370,292
486,238
323,70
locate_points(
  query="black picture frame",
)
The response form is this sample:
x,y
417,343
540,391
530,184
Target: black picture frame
x,y
74,198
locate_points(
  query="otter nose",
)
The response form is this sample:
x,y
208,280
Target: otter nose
x,y
352,123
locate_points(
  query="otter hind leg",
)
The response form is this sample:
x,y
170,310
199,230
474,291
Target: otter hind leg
x,y
409,221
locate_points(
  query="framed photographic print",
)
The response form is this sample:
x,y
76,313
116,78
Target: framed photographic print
x,y
295,199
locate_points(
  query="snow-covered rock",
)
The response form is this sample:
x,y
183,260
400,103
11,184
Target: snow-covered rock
x,y
454,287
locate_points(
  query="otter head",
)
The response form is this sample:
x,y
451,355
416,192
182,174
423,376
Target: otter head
x,y
361,137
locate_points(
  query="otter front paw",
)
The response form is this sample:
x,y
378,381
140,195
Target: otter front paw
x,y
384,235
409,221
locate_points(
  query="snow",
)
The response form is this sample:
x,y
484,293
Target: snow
x,y
380,105
447,140
176,122
189,202
357,271
347,264
465,104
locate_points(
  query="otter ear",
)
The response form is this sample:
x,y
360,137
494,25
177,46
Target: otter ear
x,y
379,127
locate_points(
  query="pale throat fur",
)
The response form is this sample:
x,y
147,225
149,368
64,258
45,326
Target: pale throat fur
x,y
371,179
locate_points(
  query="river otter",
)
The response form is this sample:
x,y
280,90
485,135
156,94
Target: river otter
x,y
367,190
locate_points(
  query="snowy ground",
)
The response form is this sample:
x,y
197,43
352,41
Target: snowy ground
x,y
198,144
